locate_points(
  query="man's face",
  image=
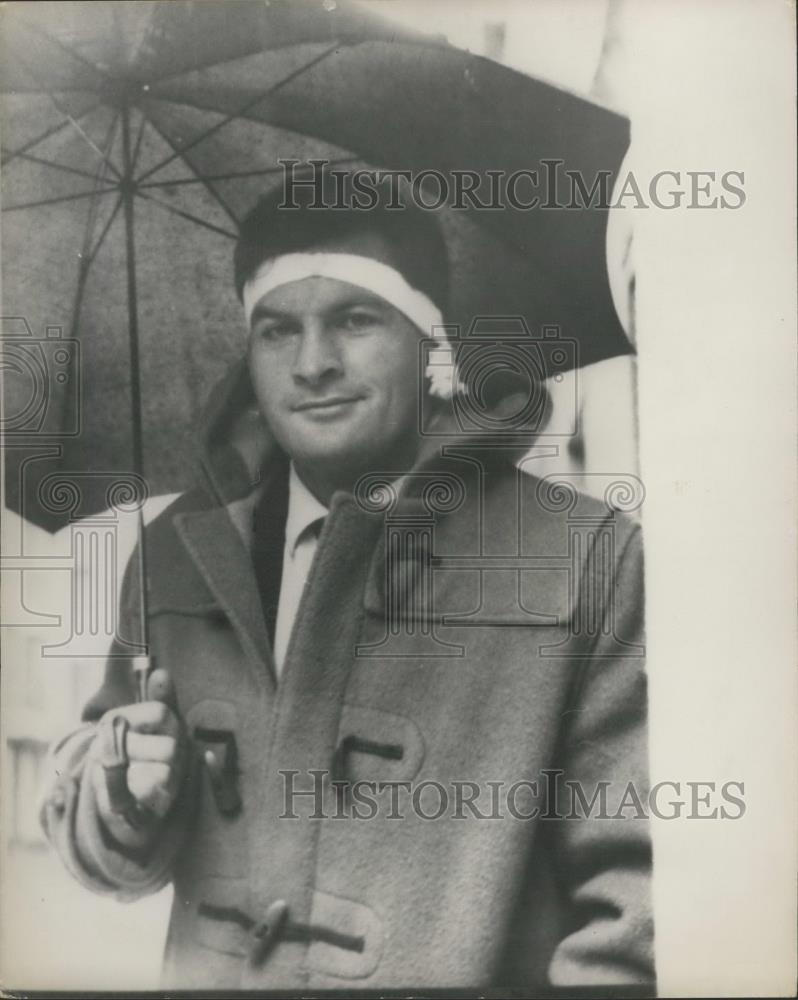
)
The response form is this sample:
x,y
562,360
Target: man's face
x,y
335,370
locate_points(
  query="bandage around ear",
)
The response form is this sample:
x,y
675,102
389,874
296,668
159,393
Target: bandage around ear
x,y
371,275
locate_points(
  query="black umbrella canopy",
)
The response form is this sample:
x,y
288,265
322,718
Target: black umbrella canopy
x,y
136,136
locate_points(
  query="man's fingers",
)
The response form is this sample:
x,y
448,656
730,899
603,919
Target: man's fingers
x,y
160,687
151,717
153,785
147,742
146,747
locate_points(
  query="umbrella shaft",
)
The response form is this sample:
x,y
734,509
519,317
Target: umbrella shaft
x,y
128,195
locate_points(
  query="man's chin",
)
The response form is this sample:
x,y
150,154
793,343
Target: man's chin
x,y
332,452
344,452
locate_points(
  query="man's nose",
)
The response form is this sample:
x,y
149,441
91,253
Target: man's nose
x,y
317,355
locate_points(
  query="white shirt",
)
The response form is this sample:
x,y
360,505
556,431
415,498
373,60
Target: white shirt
x,y
301,542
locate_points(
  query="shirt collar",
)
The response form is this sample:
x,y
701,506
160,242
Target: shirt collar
x,y
303,510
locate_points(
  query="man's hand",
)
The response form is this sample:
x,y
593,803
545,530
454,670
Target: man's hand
x,y
151,738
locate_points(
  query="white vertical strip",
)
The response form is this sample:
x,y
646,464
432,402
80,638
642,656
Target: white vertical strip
x,y
712,87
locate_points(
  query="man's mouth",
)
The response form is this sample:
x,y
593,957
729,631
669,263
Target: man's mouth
x,y
327,403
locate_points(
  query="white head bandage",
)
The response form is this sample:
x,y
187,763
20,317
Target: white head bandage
x,y
365,272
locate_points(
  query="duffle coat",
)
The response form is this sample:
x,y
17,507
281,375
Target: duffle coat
x,y
465,646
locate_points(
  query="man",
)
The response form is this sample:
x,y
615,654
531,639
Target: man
x,y
347,759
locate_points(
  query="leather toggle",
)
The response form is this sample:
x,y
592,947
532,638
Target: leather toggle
x,y
221,760
358,744
268,931
276,926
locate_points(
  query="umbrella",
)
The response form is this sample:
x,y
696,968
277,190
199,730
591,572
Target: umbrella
x,y
136,136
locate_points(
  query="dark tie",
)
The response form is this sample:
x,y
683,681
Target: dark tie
x,y
268,541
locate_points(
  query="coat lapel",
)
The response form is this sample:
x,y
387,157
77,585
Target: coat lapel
x,y
222,559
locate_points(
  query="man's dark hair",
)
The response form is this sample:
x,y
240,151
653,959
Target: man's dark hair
x,y
413,234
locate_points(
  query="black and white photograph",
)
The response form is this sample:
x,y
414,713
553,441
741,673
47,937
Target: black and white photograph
x,y
398,498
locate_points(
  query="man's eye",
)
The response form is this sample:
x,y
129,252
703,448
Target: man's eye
x,y
275,331
357,319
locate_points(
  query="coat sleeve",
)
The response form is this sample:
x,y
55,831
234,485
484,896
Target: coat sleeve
x,y
69,813
603,856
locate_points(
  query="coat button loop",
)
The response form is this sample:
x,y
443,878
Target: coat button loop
x,y
267,931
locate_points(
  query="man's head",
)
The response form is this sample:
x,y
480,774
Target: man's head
x,y
336,303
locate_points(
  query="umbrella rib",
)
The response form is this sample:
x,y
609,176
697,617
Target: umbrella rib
x,y
249,104
234,175
57,166
73,120
187,215
137,144
80,58
88,254
244,116
88,139
98,178
202,180
54,201
46,135
101,238
245,54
